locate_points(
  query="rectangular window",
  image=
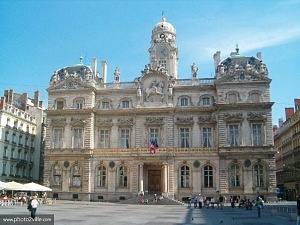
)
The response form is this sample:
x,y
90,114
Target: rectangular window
x,y
184,102
59,105
6,136
207,137
257,134
125,104
105,105
4,152
11,172
184,137
233,135
104,139
12,153
14,138
79,105
4,169
153,134
77,138
125,139
205,101
58,138
163,64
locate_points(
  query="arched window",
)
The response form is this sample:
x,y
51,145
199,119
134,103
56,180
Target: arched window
x,y
122,176
101,173
258,175
208,176
235,176
184,177
56,175
76,175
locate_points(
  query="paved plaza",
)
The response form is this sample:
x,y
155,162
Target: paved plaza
x,y
90,213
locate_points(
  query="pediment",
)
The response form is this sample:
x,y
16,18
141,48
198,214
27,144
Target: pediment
x,y
233,117
251,116
207,119
184,121
243,76
78,122
69,83
104,123
125,122
154,121
59,122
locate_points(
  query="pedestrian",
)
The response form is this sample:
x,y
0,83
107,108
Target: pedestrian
x,y
155,198
200,200
232,202
189,202
195,201
298,209
259,205
34,203
213,202
221,201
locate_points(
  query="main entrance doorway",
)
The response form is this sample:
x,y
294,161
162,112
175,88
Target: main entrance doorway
x,y
154,181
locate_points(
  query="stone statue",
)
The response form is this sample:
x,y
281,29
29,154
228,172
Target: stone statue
x,y
194,70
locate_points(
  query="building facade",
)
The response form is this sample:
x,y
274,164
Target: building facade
x,y
287,144
22,137
206,135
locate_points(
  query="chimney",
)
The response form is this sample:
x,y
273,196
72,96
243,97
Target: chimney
x,y
104,70
9,94
95,61
258,55
288,113
280,122
297,104
36,98
217,59
24,100
2,103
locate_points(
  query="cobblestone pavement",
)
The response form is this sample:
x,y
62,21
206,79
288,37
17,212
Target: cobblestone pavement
x,y
90,213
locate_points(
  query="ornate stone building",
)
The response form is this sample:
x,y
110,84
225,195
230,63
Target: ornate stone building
x,y
214,135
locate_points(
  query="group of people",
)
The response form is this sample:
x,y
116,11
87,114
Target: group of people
x,y
207,202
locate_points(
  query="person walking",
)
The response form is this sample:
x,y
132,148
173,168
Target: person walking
x,y
34,203
298,209
195,202
221,201
189,202
259,205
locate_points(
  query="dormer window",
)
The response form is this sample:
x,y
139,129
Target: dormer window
x,y
205,101
105,105
79,103
184,102
59,104
125,104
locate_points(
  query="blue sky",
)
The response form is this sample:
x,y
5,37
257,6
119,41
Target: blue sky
x,y
39,37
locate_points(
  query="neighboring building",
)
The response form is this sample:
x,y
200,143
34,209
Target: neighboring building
x,y
214,135
21,134
287,144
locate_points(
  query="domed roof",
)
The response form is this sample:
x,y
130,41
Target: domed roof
x,y
163,26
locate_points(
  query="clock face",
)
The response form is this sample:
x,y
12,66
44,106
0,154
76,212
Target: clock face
x,y
162,52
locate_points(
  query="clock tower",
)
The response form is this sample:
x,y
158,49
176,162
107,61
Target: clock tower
x,y
163,50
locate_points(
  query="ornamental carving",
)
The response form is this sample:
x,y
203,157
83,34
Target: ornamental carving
x,y
155,121
207,119
232,117
104,123
78,122
125,122
59,122
256,116
184,121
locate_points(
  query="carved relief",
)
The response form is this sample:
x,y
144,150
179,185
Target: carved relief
x,y
231,117
155,93
125,122
207,119
184,121
256,116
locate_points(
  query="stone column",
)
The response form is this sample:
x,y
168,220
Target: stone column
x,y
141,180
165,177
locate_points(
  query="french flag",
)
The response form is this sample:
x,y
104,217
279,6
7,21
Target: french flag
x,y
153,146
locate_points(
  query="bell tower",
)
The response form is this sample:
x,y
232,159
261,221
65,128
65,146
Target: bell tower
x,y
163,50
